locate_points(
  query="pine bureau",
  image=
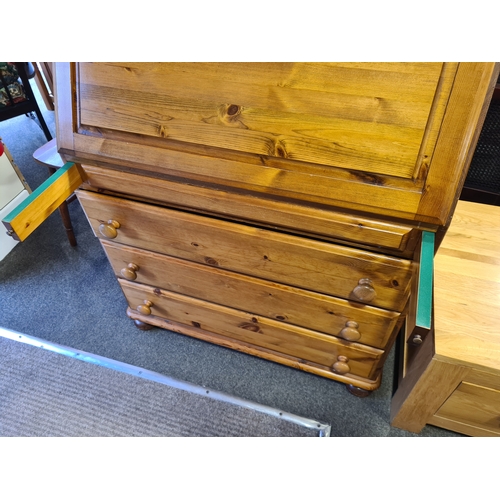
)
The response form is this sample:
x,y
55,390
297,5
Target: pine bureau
x,y
279,209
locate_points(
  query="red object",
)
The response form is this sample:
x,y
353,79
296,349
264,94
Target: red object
x,y
1,148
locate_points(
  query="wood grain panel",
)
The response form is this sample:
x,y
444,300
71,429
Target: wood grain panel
x,y
361,79
351,117
467,287
286,304
473,405
422,392
291,340
484,378
308,264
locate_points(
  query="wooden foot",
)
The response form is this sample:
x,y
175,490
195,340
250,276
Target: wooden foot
x,y
357,391
142,326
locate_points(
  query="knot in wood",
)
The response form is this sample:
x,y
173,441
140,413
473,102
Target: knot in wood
x,y
211,262
233,109
251,327
280,150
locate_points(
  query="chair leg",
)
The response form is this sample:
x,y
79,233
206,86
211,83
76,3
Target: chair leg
x,y
63,210
43,124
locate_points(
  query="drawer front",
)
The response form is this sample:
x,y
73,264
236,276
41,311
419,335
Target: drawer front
x,y
330,315
473,405
290,340
326,223
312,265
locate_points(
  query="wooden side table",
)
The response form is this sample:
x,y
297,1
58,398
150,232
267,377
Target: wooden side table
x,y
452,380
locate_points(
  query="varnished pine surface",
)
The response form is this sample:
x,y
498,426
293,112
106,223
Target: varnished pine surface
x,y
311,310
338,114
254,350
342,135
309,264
253,329
326,223
467,288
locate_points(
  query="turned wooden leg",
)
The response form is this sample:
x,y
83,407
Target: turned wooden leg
x,y
357,391
142,326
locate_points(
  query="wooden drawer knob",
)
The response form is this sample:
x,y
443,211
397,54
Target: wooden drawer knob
x,y
364,291
145,307
350,332
130,272
109,230
341,365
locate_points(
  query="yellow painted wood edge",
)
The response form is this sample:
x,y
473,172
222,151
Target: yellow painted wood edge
x,y
27,216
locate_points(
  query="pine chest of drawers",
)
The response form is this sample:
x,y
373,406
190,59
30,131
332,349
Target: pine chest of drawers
x,y
273,208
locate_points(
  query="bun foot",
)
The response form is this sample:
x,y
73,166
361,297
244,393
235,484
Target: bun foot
x,y
142,326
357,391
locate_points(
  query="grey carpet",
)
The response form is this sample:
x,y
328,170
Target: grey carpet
x,y
48,394
69,296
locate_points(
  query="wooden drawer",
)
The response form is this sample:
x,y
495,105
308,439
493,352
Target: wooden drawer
x,y
321,222
473,406
301,343
280,302
282,258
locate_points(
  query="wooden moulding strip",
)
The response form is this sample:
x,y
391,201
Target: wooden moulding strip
x,y
28,215
332,187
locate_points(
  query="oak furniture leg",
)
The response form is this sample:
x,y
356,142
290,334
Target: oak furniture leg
x,y
426,385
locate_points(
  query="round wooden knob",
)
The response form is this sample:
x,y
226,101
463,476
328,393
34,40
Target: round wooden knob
x,y
109,230
130,272
145,307
350,332
341,365
364,291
